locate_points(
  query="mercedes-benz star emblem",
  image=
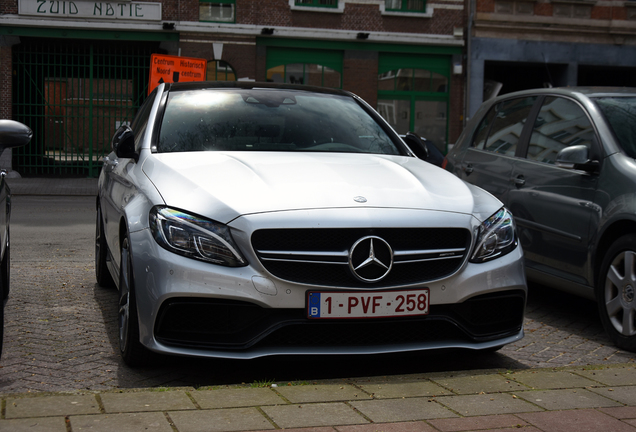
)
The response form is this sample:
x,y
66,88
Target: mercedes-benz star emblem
x,y
370,259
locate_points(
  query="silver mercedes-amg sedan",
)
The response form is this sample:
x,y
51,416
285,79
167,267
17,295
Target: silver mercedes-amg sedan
x,y
242,220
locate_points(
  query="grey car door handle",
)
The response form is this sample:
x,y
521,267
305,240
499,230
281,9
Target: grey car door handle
x,y
520,181
468,169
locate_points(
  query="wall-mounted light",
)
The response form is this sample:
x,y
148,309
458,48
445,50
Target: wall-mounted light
x,y
457,64
168,26
362,36
267,31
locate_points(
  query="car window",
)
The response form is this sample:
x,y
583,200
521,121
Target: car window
x,y
269,120
141,119
561,123
501,128
620,113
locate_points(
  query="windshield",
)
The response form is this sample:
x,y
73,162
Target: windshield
x,y
620,113
269,120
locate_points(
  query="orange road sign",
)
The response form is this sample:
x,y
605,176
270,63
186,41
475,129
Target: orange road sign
x,y
171,69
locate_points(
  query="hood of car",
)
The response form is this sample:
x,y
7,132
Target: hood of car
x,y
226,185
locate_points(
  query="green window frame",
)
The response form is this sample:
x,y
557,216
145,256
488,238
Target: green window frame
x,y
306,66
412,87
418,6
219,70
317,3
223,11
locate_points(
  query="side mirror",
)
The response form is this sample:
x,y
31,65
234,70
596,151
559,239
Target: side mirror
x,y
417,146
124,143
576,157
14,134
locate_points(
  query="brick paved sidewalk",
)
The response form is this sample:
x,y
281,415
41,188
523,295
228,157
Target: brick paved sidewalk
x,y
576,399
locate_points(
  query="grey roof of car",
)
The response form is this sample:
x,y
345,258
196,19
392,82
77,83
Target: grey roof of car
x,y
586,91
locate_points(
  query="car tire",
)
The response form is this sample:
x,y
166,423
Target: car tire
x,y
131,349
5,280
102,274
616,292
1,327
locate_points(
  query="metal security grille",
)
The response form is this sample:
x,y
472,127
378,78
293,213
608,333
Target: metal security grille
x,y
74,95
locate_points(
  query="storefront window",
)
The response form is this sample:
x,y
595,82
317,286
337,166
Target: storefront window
x,y
305,73
420,80
217,10
416,99
218,70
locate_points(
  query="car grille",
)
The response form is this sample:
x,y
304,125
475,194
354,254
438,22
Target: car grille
x,y
235,326
321,256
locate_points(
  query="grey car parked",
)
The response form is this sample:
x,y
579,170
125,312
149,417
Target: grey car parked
x,y
12,134
563,161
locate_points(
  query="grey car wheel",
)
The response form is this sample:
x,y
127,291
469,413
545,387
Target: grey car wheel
x,y
616,292
131,349
5,279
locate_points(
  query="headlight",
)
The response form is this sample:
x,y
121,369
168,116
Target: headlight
x,y
194,237
495,237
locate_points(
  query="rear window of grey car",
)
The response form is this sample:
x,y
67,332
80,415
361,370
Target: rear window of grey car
x,y
620,113
269,120
500,130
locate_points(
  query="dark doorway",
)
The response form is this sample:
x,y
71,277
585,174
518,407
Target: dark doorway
x,y
506,77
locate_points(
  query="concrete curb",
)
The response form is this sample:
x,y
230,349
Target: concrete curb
x,y
566,399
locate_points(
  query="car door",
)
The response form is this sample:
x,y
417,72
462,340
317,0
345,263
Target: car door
x,y
117,187
552,205
489,159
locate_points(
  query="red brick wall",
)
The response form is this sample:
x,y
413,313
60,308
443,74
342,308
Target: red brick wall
x,y
543,9
603,10
6,81
240,53
456,120
360,75
485,6
356,17
263,12
8,6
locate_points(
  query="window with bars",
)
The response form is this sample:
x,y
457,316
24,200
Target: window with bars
x,y
405,5
217,11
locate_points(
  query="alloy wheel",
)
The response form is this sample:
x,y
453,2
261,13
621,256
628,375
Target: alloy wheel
x,y
620,293
124,297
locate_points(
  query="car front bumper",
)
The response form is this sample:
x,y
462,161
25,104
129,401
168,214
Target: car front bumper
x,y
193,308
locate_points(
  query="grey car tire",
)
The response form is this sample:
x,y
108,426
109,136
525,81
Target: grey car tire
x,y
616,292
131,349
102,274
5,272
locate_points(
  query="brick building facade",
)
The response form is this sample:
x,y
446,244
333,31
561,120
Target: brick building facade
x,y
403,57
520,44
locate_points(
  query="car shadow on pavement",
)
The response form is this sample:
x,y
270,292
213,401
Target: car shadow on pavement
x,y
561,330
176,371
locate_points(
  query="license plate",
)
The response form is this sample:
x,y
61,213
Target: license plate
x,y
378,304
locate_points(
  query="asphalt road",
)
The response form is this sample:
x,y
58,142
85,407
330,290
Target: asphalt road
x,y
61,328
